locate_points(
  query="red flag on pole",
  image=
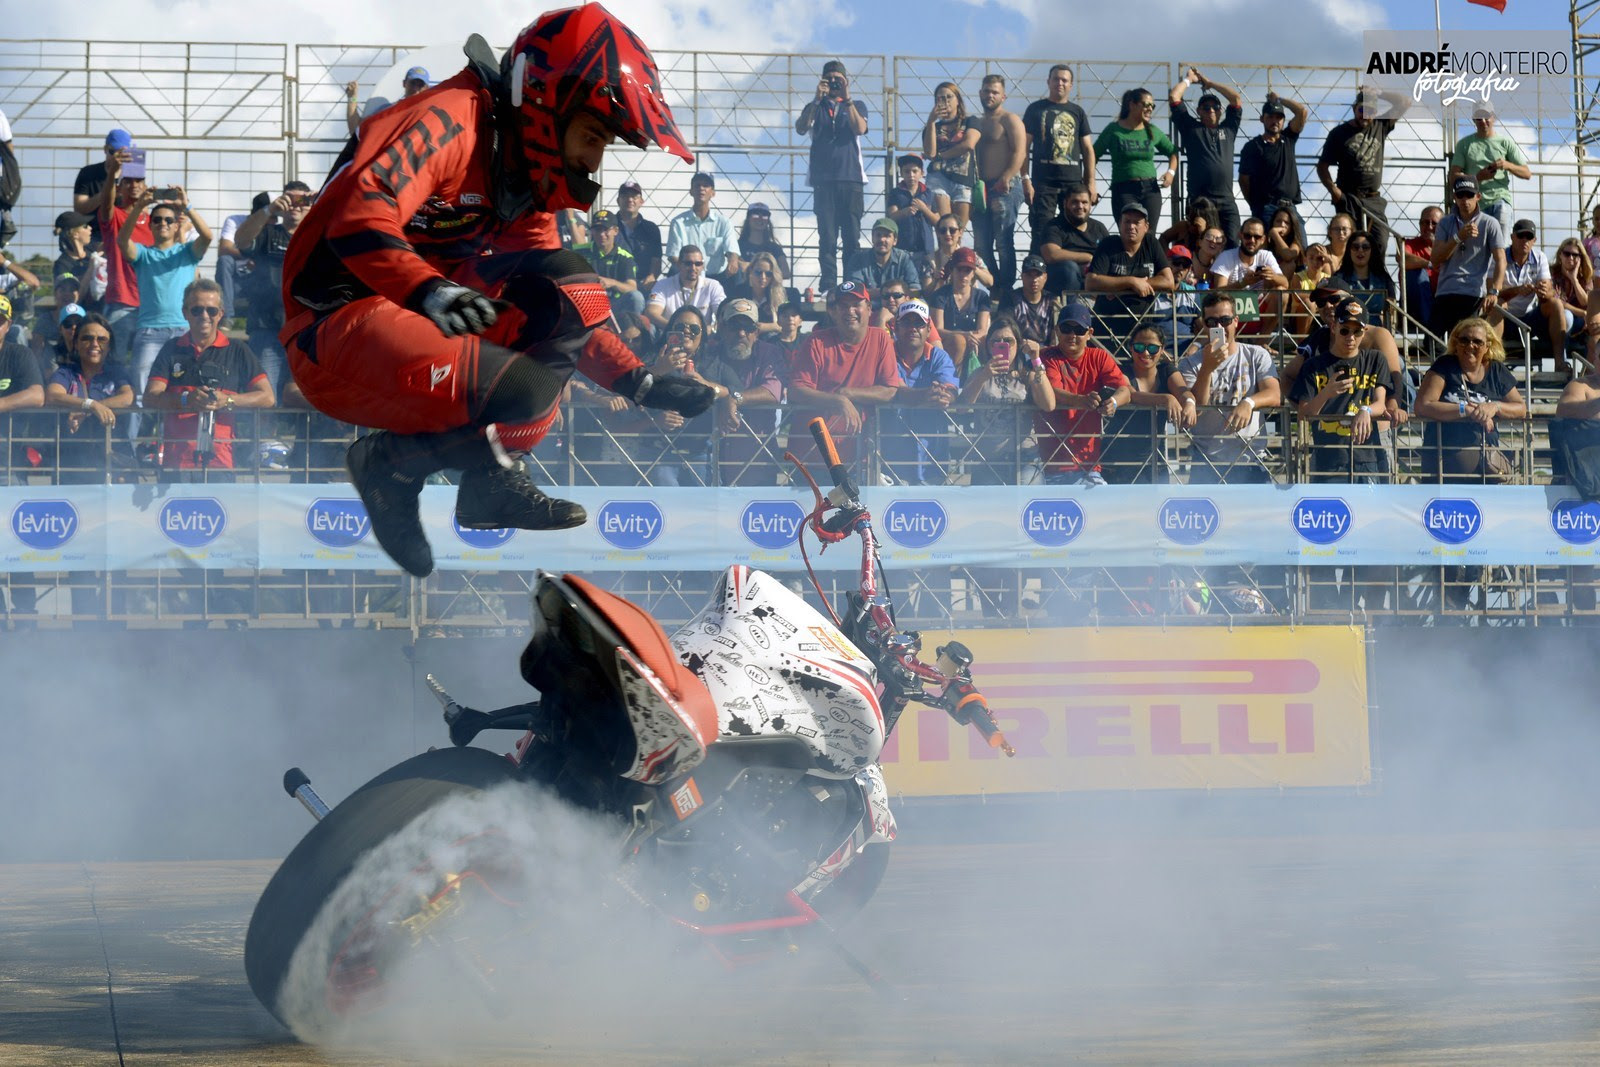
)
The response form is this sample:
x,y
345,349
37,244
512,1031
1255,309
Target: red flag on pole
x,y
1498,5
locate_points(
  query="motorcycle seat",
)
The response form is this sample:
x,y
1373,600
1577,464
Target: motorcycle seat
x,y
645,638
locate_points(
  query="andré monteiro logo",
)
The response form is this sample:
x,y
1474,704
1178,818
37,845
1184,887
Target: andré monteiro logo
x,y
1188,520
1519,71
338,522
772,524
1052,523
192,522
44,525
1321,520
1452,520
915,523
630,524
483,540
1577,522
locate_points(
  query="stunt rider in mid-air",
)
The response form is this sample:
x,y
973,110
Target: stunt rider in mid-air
x,y
426,292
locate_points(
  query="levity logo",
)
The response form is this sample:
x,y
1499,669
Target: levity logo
x,y
773,524
1052,523
1188,520
337,523
915,523
630,524
192,522
44,524
1453,521
1321,520
481,539
1577,522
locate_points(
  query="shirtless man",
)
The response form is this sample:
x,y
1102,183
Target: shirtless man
x,y
1002,153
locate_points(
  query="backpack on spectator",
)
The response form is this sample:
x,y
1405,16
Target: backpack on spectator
x,y
10,192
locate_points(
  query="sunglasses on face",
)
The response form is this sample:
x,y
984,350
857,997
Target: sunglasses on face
x,y
949,229
688,329
894,296
1571,252
1466,196
162,220
694,263
1147,105
761,274
89,340
739,327
1219,320
1352,331
1248,236
1360,246
210,313
1142,349
1473,342
1072,329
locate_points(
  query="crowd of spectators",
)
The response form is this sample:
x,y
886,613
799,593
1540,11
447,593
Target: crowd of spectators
x,y
1223,327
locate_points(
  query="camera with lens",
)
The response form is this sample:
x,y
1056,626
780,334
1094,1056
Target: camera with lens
x,y
836,82
206,428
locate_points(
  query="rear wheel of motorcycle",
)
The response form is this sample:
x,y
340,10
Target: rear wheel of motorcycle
x,y
324,858
849,893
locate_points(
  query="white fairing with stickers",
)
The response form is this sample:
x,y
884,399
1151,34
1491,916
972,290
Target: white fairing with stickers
x,y
776,666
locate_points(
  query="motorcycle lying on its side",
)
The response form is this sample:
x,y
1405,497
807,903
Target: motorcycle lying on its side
x,y
736,765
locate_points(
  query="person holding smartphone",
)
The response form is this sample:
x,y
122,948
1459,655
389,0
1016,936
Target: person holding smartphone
x,y
264,238
1343,391
1230,383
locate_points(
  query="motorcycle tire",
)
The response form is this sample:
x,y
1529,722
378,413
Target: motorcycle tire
x,y
324,858
847,894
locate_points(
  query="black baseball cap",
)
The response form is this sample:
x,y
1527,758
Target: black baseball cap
x,y
1272,107
1033,264
1350,311
1523,227
630,188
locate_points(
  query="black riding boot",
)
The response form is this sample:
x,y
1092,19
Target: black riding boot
x,y
388,471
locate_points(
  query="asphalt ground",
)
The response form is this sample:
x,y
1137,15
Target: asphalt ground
x,y
1135,945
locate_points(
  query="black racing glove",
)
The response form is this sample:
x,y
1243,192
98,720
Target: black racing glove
x,y
456,309
684,395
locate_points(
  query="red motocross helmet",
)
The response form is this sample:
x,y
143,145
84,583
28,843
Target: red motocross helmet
x,y
575,59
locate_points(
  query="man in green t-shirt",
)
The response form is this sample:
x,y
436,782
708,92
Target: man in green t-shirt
x,y
1491,158
618,272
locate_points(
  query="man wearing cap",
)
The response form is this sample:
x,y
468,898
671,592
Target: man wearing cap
x,y
124,186
92,178
752,372
1356,146
915,444
846,365
704,227
837,174
1068,242
883,263
617,270
1470,254
1492,159
1207,142
1343,391
1086,386
74,233
1035,307
1128,270
1269,176
637,234
1231,383
1528,287
415,81
688,286
1062,149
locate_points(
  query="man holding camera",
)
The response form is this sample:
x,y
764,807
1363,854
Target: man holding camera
x,y
838,176
201,379
264,238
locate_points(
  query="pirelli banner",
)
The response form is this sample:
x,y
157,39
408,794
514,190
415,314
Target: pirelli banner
x,y
276,525
1203,708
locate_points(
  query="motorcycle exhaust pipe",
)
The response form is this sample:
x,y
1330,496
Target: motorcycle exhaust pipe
x,y
298,786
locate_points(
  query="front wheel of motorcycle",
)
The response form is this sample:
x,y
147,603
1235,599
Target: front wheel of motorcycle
x,y
317,868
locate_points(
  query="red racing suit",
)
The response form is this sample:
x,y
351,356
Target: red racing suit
x,y
418,201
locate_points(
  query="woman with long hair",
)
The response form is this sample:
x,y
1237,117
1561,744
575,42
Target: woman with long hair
x,y
1286,240
1202,216
947,233
961,309
1572,276
93,387
1464,395
765,284
1132,438
1367,277
950,142
1340,229
1131,144
756,235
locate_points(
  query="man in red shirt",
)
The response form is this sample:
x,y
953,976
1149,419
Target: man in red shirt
x,y
847,364
125,184
201,380
1420,273
1087,386
426,291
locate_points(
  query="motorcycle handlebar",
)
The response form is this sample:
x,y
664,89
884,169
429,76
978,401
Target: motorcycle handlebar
x,y
830,456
